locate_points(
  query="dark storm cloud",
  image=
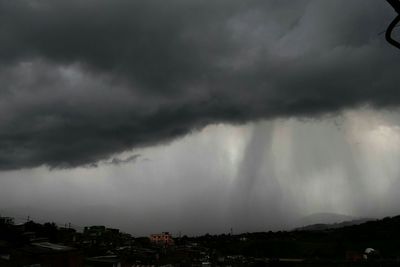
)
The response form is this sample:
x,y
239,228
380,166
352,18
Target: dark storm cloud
x,y
81,80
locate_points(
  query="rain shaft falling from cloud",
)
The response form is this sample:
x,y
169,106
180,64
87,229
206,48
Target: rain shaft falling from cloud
x,y
291,168
256,194
253,177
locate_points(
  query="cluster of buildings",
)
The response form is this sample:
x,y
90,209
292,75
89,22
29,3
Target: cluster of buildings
x,y
164,239
35,245
46,245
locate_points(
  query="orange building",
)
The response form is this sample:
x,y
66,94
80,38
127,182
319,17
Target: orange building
x,y
162,239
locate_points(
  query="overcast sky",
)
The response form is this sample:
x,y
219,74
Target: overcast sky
x,y
197,116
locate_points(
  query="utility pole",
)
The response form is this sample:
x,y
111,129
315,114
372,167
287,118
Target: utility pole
x,y
396,6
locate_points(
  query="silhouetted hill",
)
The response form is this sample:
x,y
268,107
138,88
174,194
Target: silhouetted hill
x,y
323,226
324,218
333,243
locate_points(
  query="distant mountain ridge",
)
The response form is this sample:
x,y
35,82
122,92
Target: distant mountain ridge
x,y
322,226
324,218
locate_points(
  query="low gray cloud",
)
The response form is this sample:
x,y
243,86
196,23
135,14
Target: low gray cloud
x,y
80,81
130,159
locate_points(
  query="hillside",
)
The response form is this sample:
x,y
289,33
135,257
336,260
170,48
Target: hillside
x,y
323,226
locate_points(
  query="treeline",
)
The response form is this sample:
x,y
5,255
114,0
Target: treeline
x,y
382,235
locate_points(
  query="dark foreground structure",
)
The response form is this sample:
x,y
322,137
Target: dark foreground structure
x,y
373,243
46,254
396,6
